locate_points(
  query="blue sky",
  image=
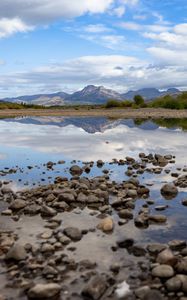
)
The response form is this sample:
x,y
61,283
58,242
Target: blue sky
x,y
48,46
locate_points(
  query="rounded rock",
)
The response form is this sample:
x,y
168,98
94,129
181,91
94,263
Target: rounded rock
x,y
163,271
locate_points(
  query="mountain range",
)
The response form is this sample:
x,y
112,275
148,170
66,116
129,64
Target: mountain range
x,y
90,95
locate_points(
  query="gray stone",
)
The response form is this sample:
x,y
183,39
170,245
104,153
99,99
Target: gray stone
x,y
48,211
142,291
73,233
95,288
16,252
44,291
157,219
153,295
163,271
182,266
76,170
177,244
173,284
156,248
166,257
18,204
125,214
169,190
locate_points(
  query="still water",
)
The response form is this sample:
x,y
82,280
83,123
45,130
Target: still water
x,y
34,141
27,144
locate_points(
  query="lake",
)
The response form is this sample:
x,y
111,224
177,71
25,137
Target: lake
x,y
27,144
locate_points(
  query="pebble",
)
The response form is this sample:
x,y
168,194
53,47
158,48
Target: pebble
x,y
106,225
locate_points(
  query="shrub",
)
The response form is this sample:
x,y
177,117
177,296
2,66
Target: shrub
x,y
113,103
138,100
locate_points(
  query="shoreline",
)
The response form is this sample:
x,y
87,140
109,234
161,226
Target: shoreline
x,y
142,113
74,233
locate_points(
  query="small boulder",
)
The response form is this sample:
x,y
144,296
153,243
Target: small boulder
x,y
95,288
169,191
44,291
16,252
106,225
163,271
73,233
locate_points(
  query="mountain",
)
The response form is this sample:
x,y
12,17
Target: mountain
x,y
91,94
41,99
150,93
94,94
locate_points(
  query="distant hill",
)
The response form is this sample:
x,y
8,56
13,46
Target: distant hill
x,y
89,95
150,93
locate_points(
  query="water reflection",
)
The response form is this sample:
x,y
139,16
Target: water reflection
x,y
88,138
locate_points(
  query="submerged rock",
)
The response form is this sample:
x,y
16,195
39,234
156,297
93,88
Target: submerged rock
x,y
16,252
44,291
95,288
106,225
73,233
169,191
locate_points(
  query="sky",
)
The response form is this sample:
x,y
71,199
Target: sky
x,y
63,45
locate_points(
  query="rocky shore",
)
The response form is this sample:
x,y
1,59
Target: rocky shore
x,y
142,113
87,259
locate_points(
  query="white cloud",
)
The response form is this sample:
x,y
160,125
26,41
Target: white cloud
x,y
96,28
130,26
141,27
11,26
170,46
118,72
47,10
119,11
166,56
37,11
23,15
181,29
110,41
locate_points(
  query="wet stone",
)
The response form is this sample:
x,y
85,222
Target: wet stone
x,y
169,190
174,284
73,233
166,257
106,225
95,288
163,271
125,243
153,295
177,244
16,252
44,291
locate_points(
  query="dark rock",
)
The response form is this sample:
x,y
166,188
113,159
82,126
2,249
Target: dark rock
x,y
177,244
95,288
125,243
73,233
169,191
76,170
173,284
125,214
153,295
